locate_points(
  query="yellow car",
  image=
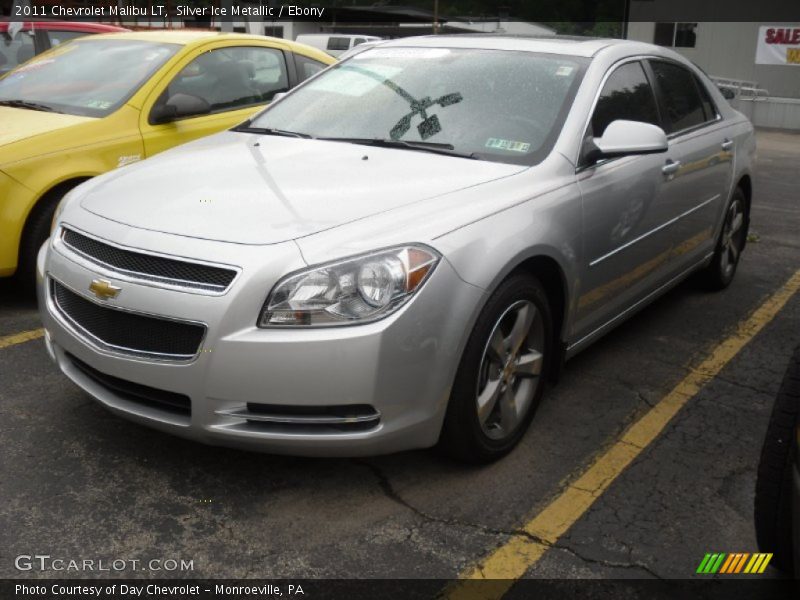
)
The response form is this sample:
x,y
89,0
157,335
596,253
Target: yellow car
x,y
102,102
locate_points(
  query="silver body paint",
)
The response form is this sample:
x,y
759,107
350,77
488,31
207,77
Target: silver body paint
x,y
620,233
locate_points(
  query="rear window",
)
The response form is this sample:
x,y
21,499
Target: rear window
x,y
680,98
338,43
708,105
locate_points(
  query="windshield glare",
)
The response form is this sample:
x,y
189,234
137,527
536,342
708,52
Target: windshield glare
x,y
505,106
90,78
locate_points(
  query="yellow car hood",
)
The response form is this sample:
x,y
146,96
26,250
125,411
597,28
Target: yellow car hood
x,y
20,123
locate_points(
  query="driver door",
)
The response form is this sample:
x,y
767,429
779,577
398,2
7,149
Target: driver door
x,y
231,82
627,245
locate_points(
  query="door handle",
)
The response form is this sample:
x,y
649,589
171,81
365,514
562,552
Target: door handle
x,y
671,167
727,144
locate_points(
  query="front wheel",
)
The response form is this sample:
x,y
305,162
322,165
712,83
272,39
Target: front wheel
x,y
500,379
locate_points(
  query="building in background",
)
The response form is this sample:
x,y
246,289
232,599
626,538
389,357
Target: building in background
x,y
765,53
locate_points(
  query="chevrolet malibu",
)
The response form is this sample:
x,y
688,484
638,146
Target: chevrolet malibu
x,y
403,250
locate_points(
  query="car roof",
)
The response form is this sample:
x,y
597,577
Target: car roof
x,y
569,45
183,37
187,37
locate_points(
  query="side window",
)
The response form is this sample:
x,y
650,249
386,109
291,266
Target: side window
x,y
679,97
338,43
708,105
16,50
306,67
231,78
59,37
626,95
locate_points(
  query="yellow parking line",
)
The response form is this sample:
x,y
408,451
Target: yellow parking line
x,y
19,338
514,557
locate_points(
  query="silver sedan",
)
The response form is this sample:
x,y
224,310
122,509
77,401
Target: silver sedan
x,y
403,250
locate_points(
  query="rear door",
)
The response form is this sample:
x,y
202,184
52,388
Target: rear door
x,y
626,207
697,137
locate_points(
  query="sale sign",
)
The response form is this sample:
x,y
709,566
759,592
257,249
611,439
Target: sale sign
x,y
778,45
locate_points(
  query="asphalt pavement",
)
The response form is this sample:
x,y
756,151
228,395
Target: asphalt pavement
x,y
78,483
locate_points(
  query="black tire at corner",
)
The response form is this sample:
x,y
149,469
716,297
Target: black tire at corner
x,y
37,230
462,437
773,499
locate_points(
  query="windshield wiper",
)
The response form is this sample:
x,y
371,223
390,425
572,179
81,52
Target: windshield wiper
x,y
435,147
28,105
245,128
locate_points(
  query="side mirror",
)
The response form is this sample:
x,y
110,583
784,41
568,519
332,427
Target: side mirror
x,y
178,107
625,138
278,96
727,93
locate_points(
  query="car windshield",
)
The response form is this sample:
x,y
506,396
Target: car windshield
x,y
503,106
86,77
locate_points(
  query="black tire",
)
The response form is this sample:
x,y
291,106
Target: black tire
x,y
37,230
462,435
773,501
718,275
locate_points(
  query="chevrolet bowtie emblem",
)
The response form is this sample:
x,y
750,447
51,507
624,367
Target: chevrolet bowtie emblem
x,y
104,289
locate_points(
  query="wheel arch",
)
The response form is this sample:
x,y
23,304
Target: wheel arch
x,y
554,280
54,191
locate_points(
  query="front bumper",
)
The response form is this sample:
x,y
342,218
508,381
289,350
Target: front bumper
x,y
403,365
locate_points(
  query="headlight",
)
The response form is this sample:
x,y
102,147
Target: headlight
x,y
354,290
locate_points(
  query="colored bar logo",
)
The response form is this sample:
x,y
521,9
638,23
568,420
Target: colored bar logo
x,y
734,563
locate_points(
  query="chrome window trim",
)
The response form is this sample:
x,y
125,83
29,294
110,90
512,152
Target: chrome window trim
x,y
137,277
693,128
92,340
608,73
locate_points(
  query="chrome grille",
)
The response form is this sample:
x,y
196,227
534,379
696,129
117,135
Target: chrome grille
x,y
127,332
147,266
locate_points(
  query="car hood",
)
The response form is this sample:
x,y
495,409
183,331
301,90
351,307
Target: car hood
x,y
253,189
21,123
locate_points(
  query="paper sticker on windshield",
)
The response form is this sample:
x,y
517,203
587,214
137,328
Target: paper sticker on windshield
x,y
153,55
101,104
402,53
509,145
564,71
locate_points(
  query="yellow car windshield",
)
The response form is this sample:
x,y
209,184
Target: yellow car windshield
x,y
86,77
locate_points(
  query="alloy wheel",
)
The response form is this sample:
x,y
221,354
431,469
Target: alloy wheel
x,y
732,237
510,370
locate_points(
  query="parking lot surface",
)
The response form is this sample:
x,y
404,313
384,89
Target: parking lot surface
x,y
79,483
